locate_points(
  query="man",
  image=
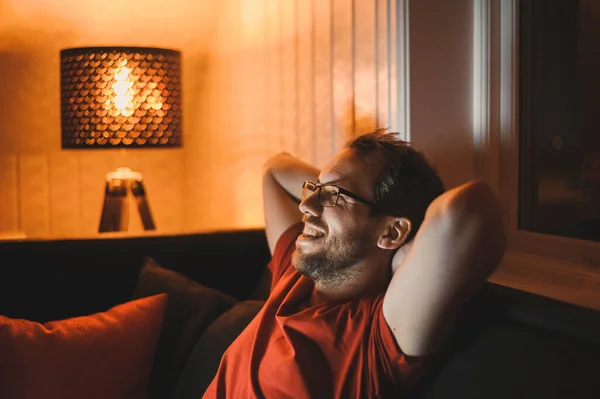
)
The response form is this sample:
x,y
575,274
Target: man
x,y
368,287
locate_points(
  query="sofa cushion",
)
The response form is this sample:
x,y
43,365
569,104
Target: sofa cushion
x,y
513,344
204,361
191,309
103,355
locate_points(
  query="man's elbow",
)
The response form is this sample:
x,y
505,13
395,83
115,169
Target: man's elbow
x,y
476,212
476,203
274,161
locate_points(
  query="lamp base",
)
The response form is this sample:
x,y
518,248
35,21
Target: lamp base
x,y
121,186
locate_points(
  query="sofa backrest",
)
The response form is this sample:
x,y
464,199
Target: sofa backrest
x,y
53,279
514,344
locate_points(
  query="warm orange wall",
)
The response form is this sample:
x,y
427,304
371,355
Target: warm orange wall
x,y
46,191
287,77
259,76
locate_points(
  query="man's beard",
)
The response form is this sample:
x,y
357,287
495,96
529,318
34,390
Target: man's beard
x,y
336,262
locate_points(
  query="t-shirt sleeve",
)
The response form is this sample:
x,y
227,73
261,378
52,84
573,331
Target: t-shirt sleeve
x,y
282,256
387,358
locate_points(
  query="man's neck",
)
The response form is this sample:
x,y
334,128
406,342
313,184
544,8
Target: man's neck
x,y
347,290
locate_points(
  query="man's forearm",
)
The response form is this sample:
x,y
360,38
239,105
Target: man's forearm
x,y
290,173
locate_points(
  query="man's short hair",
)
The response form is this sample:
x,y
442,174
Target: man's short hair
x,y
407,183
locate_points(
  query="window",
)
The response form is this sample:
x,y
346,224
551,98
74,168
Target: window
x,y
559,117
538,61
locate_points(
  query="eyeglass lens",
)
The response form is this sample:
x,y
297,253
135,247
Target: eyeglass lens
x,y
328,195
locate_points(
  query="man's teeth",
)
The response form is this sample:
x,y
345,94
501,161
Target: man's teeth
x,y
312,233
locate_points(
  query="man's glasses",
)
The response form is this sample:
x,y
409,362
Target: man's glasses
x,y
330,193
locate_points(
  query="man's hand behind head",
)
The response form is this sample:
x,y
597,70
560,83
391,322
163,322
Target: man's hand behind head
x,y
400,255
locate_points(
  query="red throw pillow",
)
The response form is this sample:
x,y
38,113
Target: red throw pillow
x,y
104,355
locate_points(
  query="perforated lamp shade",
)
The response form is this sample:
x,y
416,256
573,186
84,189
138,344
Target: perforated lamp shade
x,y
120,97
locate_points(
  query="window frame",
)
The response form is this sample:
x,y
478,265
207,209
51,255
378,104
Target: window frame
x,y
564,268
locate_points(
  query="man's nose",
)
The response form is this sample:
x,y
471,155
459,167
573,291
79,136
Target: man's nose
x,y
311,204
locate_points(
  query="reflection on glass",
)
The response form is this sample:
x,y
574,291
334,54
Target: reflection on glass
x,y
559,132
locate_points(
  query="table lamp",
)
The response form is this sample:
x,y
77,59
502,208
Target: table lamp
x,y
121,97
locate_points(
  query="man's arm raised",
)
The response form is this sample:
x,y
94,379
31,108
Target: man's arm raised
x,y
283,176
459,245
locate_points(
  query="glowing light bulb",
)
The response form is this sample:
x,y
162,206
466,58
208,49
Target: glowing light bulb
x,y
123,89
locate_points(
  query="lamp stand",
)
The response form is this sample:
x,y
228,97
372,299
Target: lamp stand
x,y
122,185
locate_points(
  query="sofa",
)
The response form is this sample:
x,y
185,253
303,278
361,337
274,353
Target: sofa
x,y
507,344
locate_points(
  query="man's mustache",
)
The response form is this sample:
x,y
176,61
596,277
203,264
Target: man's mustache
x,y
313,221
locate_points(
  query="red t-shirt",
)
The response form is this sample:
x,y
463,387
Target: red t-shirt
x,y
336,349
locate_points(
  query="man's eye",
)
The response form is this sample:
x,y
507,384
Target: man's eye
x,y
325,196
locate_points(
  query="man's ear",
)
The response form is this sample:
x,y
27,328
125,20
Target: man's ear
x,y
395,233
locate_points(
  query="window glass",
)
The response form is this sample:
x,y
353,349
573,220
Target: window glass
x,y
559,117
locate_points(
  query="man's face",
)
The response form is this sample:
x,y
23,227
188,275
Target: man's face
x,y
336,239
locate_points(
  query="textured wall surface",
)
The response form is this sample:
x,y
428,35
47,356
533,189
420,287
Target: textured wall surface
x,y
259,76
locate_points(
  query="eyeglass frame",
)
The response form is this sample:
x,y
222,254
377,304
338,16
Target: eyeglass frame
x,y
341,190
